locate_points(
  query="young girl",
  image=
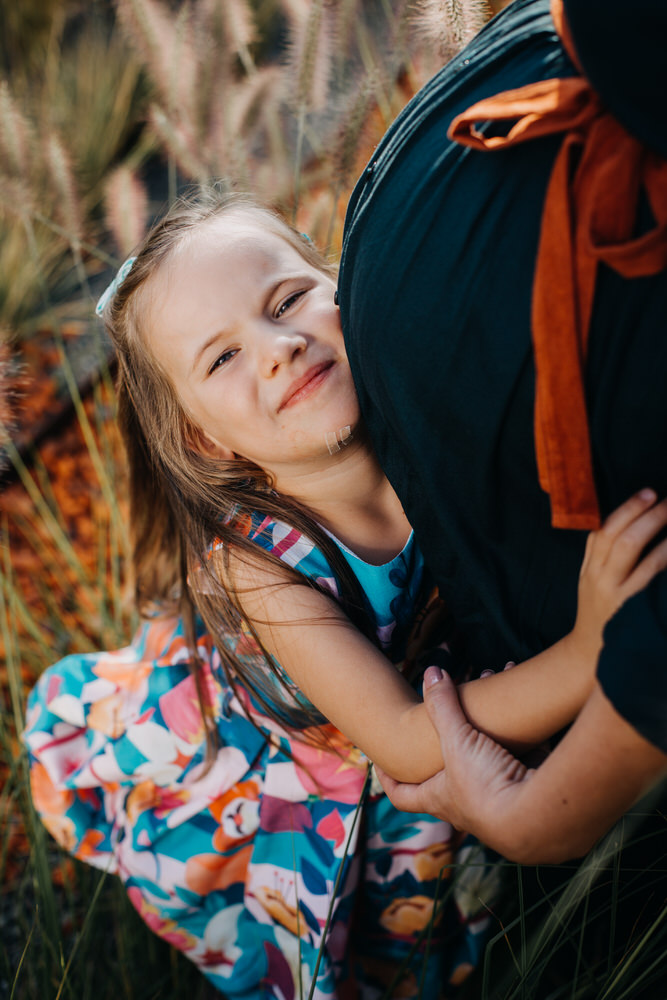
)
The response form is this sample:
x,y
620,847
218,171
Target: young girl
x,y
226,796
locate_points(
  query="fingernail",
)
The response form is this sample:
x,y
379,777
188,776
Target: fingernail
x,y
509,665
487,673
432,676
648,494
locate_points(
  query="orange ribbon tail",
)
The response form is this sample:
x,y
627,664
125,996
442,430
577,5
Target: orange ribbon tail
x,y
589,217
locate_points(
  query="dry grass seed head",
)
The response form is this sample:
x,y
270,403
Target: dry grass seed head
x,y
126,202
68,205
450,24
17,140
179,142
310,53
161,42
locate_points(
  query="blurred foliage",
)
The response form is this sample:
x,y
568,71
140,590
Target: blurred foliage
x,y
70,106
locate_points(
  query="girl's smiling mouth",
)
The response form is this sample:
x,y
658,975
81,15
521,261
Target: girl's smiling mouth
x,y
307,384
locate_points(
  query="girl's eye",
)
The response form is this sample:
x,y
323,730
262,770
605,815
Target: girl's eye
x,y
288,303
223,359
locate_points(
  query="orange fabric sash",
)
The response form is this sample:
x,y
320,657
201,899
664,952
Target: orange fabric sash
x,y
589,216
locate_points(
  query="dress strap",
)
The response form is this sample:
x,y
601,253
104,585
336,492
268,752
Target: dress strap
x,y
589,218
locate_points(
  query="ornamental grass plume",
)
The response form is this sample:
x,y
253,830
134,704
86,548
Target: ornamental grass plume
x,y
202,73
17,137
126,204
161,46
448,25
67,211
310,50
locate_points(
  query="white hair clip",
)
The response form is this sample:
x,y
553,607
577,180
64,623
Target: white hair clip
x,y
111,289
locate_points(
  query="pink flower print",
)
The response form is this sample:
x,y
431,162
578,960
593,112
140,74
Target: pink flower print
x,y
53,688
164,927
247,645
336,774
181,712
332,828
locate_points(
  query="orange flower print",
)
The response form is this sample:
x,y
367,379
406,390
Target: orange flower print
x,y
48,798
430,862
106,716
123,669
205,873
283,912
88,845
62,830
181,712
237,813
148,795
406,916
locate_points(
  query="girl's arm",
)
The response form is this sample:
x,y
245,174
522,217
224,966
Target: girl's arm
x,y
525,705
365,697
597,771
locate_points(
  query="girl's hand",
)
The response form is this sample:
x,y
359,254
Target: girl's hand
x,y
614,567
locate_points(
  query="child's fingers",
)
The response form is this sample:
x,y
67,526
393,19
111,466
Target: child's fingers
x,y
628,512
631,541
599,543
653,563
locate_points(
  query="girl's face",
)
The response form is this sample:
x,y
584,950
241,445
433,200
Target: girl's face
x,y
249,334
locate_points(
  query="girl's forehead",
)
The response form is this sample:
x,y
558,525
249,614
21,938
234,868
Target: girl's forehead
x,y
231,250
237,234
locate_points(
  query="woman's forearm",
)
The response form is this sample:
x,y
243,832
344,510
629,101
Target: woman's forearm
x,y
597,771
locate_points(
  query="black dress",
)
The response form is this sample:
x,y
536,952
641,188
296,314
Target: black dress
x,y
435,291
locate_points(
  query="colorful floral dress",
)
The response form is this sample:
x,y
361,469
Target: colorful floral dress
x,y
279,865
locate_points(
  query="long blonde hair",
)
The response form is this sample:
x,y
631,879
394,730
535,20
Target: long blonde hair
x,y
181,499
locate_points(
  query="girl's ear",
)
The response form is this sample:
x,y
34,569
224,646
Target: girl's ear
x,y
202,442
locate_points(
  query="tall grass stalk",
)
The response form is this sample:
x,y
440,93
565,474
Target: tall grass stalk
x,y
339,876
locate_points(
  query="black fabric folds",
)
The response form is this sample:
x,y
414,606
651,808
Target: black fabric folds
x,y
435,291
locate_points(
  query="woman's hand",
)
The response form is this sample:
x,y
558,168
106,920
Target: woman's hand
x,y
480,777
614,567
551,814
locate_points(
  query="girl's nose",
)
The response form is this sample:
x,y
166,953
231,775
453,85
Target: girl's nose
x,y
280,349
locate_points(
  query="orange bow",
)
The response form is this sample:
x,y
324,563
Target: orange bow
x,y
589,216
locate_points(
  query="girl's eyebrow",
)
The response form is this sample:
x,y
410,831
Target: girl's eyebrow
x,y
204,348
